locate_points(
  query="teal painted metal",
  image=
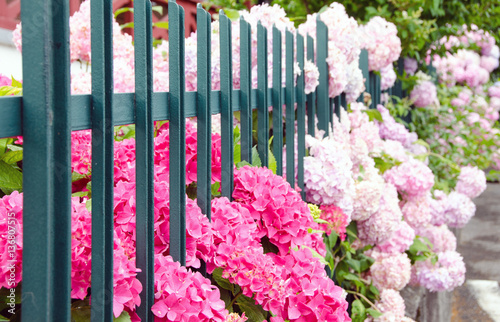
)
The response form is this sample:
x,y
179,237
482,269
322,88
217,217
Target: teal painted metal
x,y
143,44
343,101
204,179
375,89
290,109
363,65
277,102
262,109
47,162
311,98
226,86
102,161
324,117
337,103
177,144
301,116
246,90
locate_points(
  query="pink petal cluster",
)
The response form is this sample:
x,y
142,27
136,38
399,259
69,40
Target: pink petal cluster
x,y
5,81
327,176
441,237
379,226
392,305
416,211
382,43
471,182
311,76
390,270
445,275
460,210
413,178
11,238
400,241
278,209
367,198
387,77
424,94
182,295
336,218
392,130
410,65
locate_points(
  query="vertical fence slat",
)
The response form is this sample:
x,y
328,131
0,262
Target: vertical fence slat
x,y
337,101
363,65
290,110
322,91
343,101
301,116
177,144
204,192
102,161
277,102
144,155
375,89
245,90
226,86
311,98
262,109
47,161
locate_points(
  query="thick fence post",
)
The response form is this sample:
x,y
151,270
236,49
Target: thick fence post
x,y
226,99
102,161
277,102
262,108
203,111
246,90
143,44
47,162
311,98
290,110
301,116
324,115
177,144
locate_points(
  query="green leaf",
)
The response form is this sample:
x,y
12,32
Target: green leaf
x,y
354,264
75,176
161,24
374,313
4,143
256,162
88,205
11,157
418,246
374,114
80,194
374,290
272,162
80,311
215,189
13,147
332,239
242,164
237,154
10,178
224,283
3,318
16,83
232,14
124,317
358,311
255,313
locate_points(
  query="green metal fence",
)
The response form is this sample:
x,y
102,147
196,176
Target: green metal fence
x,y
46,114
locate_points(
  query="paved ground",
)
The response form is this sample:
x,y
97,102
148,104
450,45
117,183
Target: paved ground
x,y
479,244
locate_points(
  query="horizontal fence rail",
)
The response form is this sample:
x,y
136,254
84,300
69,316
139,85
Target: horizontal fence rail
x,y
46,114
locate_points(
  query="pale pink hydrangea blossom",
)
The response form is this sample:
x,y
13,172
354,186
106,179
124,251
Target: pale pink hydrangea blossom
x,y
471,181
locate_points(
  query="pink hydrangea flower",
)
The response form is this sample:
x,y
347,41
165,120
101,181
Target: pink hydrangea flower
x,y
424,94
387,77
441,237
336,218
413,178
382,43
392,305
445,275
416,211
390,270
460,209
400,241
471,182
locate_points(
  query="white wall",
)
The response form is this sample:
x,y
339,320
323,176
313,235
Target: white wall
x,y
11,63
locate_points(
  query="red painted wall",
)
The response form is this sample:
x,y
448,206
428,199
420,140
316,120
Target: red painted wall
x,y
10,12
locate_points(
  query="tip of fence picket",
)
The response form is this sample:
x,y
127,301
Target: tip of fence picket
x,y
221,12
199,6
171,1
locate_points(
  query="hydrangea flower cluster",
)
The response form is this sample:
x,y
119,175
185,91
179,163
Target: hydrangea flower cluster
x,y
445,275
412,178
392,305
390,270
424,94
336,218
471,182
382,42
